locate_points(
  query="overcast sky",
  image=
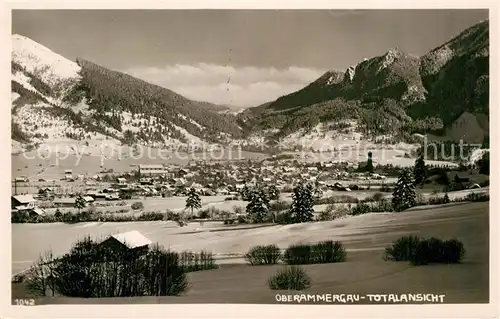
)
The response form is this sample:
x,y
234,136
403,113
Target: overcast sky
x,y
242,57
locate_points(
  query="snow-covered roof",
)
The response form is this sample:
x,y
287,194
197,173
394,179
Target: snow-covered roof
x,y
66,200
151,166
132,239
39,211
88,198
24,198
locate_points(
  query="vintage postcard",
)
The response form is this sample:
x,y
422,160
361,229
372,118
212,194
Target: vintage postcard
x,y
235,157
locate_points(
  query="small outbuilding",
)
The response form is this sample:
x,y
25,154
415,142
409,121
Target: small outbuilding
x,y
128,241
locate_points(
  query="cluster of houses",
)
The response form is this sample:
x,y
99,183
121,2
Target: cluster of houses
x,y
28,204
212,179
208,178
25,204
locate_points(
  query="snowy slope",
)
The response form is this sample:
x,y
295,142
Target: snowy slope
x,y
45,73
322,137
49,66
477,155
34,118
14,96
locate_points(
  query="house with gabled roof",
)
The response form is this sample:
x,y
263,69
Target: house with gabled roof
x,y
128,241
25,204
22,202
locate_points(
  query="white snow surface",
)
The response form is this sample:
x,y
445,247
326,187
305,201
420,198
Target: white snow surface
x,y
192,140
351,71
42,61
321,138
389,58
182,116
477,155
22,79
13,97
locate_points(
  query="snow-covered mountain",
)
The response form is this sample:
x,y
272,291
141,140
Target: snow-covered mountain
x,y
392,97
444,93
49,66
39,80
54,98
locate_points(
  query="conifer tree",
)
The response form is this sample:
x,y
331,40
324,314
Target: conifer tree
x,y
419,171
245,193
79,203
369,163
483,164
258,207
302,206
446,198
273,192
193,200
404,195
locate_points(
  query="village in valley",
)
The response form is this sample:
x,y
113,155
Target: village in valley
x,y
224,181
208,178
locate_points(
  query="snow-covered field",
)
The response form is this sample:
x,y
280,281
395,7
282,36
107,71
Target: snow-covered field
x,y
30,240
159,204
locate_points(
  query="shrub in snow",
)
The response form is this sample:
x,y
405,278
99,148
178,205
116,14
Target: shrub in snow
x,y
91,270
191,261
402,249
322,252
290,278
328,252
263,255
434,250
425,251
137,206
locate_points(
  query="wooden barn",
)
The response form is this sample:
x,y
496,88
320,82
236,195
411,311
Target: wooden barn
x,y
128,241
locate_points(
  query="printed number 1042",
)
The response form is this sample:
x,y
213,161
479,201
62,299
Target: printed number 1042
x,y
24,302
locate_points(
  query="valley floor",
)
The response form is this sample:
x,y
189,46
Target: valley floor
x,y
364,272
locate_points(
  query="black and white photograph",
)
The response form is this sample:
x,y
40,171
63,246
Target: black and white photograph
x,y
240,156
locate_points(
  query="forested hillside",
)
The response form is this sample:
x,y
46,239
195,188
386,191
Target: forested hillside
x,y
456,76
396,94
111,91
443,94
54,98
